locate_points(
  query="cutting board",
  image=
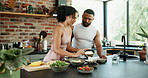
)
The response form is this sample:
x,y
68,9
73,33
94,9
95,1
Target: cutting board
x,y
36,68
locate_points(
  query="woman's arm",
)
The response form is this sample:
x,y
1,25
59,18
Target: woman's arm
x,y
57,35
71,49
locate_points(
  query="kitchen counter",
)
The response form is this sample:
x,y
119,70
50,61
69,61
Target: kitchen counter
x,y
131,50
132,68
127,48
104,48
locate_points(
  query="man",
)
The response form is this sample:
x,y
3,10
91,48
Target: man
x,y
85,35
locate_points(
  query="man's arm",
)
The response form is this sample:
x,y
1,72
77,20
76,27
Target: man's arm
x,y
98,45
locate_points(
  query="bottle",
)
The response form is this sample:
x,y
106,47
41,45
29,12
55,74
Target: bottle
x,y
24,8
45,45
1,7
3,47
30,9
40,44
14,44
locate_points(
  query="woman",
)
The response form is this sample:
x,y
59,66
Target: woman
x,y
66,16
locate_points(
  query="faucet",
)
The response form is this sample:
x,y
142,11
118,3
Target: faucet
x,y
124,54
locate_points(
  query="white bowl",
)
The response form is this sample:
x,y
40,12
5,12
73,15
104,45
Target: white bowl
x,y
76,61
101,60
57,67
89,53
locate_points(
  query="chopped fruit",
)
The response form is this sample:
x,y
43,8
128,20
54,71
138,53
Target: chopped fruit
x,y
80,68
84,68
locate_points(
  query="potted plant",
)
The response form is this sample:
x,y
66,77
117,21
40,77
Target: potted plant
x,y
144,51
12,60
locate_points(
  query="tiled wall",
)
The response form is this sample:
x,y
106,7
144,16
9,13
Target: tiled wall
x,y
21,28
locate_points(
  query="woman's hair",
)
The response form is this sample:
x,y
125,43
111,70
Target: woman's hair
x,y
63,11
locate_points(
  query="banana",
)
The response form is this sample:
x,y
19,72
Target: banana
x,y
37,63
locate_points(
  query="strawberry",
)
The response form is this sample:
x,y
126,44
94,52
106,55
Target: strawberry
x,y
80,68
87,68
84,68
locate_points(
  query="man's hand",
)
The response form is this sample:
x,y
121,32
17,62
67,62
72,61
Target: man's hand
x,y
104,57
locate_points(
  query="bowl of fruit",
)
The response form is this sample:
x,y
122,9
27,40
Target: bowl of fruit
x,y
59,66
85,69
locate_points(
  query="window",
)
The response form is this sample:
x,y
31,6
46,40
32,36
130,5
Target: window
x,y
138,17
117,18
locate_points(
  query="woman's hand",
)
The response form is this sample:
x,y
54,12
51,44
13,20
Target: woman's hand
x,y
80,52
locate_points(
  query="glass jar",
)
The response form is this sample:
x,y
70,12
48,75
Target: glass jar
x,y
115,59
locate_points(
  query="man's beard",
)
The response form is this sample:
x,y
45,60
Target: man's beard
x,y
85,24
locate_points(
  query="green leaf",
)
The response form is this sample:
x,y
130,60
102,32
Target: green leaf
x,y
9,56
143,30
12,64
143,35
25,61
2,68
2,57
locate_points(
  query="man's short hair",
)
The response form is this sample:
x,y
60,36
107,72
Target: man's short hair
x,y
89,11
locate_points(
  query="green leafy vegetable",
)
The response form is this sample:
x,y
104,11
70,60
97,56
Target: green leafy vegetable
x,y
59,63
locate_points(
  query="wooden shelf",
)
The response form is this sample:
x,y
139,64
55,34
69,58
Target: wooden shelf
x,y
25,14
